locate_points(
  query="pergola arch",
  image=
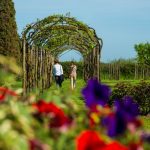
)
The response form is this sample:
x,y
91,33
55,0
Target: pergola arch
x,y
51,36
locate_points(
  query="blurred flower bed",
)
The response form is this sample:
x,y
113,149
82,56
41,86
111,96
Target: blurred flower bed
x,y
58,123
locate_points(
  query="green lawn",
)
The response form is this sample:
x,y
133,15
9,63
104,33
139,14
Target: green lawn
x,y
73,94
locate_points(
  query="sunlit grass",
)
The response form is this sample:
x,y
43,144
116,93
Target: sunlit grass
x,y
66,90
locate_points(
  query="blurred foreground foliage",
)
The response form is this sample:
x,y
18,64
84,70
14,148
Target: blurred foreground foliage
x,y
57,122
9,71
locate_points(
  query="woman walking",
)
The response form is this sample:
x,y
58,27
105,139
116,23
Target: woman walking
x,y
73,75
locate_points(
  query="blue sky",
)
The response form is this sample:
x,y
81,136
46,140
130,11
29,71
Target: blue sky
x,y
120,23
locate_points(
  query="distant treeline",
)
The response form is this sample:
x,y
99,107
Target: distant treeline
x,y
115,70
124,69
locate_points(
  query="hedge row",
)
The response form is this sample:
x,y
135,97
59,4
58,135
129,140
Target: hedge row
x,y
139,92
126,70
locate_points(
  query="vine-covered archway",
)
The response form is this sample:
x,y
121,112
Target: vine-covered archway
x,y
47,38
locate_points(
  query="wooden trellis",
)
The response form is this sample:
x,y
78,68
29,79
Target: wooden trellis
x,y
46,39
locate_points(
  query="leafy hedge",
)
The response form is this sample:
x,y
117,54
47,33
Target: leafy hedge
x,y
127,69
119,91
139,92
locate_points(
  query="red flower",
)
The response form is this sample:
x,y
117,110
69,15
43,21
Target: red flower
x,y
136,146
2,96
4,92
89,140
35,144
115,146
42,106
57,116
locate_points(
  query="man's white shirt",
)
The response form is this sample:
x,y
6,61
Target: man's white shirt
x,y
57,70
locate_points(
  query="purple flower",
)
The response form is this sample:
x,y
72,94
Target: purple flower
x,y
126,111
128,108
146,137
115,124
95,93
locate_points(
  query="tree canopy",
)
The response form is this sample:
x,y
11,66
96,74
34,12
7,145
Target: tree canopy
x,y
143,53
9,40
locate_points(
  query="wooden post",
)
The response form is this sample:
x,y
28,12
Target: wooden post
x,y
24,67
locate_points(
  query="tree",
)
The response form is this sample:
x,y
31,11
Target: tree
x,y
9,39
143,53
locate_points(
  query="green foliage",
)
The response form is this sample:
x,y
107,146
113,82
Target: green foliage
x,y
146,122
143,53
15,125
9,71
9,40
127,68
57,33
120,90
19,125
139,92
